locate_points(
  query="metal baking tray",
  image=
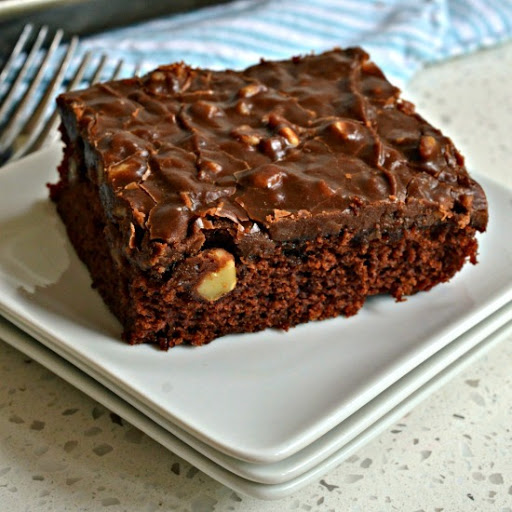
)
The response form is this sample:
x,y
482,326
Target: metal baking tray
x,y
83,17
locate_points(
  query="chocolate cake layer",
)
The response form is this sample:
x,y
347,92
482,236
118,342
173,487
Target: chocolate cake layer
x,y
303,186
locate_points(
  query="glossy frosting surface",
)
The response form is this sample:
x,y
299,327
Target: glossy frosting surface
x,y
292,149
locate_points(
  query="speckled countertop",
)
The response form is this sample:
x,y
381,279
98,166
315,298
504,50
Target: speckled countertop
x,y
60,450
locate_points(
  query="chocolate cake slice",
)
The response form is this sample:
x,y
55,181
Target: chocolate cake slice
x,y
214,202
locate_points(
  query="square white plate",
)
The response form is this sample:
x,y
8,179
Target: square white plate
x,y
260,397
493,330
331,446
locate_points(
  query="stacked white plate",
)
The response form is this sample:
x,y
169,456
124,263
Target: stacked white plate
x,y
264,413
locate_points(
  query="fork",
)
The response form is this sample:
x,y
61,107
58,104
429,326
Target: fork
x,y
23,127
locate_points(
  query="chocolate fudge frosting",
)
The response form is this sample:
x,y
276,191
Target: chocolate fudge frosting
x,y
281,151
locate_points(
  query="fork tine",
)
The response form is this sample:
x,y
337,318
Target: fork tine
x,y
99,70
36,123
75,82
18,48
13,128
8,100
117,71
49,132
52,87
137,69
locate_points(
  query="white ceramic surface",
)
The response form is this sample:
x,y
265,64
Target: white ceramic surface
x,y
494,334
327,450
260,397
306,464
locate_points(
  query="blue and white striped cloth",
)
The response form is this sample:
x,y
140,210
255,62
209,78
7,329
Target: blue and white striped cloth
x,y
401,35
